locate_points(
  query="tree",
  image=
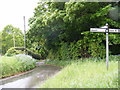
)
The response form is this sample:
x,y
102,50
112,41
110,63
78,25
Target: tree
x,y
55,23
11,37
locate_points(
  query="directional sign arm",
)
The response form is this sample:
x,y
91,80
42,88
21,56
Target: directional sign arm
x,y
97,30
104,30
114,30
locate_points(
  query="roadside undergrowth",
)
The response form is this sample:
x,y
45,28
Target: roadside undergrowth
x,y
87,74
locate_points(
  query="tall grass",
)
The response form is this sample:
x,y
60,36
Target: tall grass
x,y
87,74
15,64
68,62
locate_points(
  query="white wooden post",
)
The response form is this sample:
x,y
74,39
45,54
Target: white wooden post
x,y
24,33
107,46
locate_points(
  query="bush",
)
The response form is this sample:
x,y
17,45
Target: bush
x,y
15,64
114,57
27,61
79,49
21,50
92,45
12,51
9,66
65,52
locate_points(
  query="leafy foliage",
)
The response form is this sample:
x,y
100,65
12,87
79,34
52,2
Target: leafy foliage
x,y
13,65
27,61
62,29
10,35
12,51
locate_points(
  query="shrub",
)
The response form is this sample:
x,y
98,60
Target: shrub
x,y
12,51
21,50
114,57
92,45
27,61
15,64
79,49
65,52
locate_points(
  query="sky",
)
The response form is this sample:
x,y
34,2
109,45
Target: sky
x,y
12,12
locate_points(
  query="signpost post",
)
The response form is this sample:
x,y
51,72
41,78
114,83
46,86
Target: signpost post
x,y
24,33
106,30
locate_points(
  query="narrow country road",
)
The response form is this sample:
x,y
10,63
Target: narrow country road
x,y
31,79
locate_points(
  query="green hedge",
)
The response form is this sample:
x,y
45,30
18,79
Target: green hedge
x,y
79,49
92,45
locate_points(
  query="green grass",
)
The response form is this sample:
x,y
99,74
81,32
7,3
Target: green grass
x,y
87,74
60,63
68,62
12,65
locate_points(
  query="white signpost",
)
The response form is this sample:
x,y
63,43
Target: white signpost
x,y
106,30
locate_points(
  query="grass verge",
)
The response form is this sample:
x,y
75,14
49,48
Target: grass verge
x,y
87,74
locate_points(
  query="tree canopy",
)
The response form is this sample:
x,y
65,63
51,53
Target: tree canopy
x,y
11,36
59,25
